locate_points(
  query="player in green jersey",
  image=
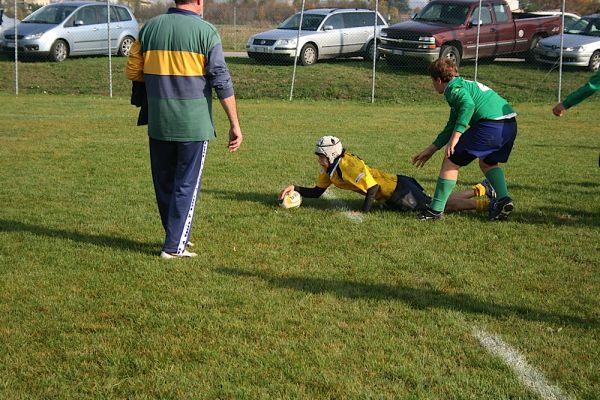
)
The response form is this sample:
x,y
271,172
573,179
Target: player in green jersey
x,y
481,125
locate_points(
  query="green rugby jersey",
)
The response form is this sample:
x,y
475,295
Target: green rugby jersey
x,y
470,102
181,58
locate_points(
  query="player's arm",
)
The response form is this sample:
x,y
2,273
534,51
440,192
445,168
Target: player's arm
x,y
134,71
311,193
370,197
576,97
304,192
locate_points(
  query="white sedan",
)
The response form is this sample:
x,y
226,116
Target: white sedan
x,y
581,45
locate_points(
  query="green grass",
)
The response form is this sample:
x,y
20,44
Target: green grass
x,y
330,80
301,303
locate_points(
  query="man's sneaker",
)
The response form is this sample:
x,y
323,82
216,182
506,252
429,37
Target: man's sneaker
x,y
484,188
428,214
500,209
185,254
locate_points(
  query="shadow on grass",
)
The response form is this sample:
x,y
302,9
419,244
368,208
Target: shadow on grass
x,y
270,199
113,242
418,298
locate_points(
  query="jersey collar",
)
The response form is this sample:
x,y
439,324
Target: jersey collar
x,y
175,10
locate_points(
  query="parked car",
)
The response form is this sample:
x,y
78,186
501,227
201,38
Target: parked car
x,y
581,45
570,18
6,22
325,33
448,28
60,30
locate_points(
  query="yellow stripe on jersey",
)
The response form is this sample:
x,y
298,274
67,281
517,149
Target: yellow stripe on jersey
x,y
178,63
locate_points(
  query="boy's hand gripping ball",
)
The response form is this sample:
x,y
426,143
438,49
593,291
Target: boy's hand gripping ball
x,y
291,200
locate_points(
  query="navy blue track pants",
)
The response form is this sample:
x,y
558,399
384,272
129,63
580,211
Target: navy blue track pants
x,y
177,176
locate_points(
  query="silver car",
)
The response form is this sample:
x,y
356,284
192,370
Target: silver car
x,y
61,30
325,33
581,45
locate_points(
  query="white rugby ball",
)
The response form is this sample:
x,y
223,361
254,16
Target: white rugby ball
x,y
291,200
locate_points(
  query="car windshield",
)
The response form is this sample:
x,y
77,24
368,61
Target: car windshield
x,y
52,14
453,14
310,22
585,26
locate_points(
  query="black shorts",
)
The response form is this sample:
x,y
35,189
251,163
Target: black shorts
x,y
408,195
490,141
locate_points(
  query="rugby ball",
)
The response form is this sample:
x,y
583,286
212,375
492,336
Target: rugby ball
x,y
291,200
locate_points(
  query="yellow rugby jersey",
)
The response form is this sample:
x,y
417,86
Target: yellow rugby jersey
x,y
351,173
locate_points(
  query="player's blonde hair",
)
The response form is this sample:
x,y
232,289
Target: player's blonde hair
x,y
444,69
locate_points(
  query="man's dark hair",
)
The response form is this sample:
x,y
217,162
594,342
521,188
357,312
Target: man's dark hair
x,y
179,2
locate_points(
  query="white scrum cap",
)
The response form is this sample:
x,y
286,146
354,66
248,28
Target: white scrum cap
x,y
329,146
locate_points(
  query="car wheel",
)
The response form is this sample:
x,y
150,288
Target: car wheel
x,y
59,51
450,52
125,46
530,55
594,61
369,52
308,54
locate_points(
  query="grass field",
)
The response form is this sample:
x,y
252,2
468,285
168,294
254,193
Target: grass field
x,y
307,303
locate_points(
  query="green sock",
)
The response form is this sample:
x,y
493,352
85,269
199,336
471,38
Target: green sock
x,y
443,189
496,178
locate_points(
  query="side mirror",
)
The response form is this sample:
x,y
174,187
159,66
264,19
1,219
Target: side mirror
x,y
78,23
414,16
474,22
328,28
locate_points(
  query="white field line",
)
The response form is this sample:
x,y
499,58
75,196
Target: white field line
x,y
531,377
353,216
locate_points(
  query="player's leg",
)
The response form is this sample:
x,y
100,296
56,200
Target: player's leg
x,y
186,188
163,160
503,205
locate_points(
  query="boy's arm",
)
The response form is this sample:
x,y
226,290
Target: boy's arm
x,y
444,135
370,197
585,91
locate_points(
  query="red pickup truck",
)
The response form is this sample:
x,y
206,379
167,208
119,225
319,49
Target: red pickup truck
x,y
448,28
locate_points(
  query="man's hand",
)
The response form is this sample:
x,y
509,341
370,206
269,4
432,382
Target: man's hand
x,y
559,110
235,138
452,143
287,190
420,159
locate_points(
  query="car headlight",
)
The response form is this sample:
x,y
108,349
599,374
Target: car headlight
x,y
34,35
286,42
383,34
427,39
574,48
539,44
250,40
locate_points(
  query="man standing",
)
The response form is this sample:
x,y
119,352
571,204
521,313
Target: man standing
x,y
180,58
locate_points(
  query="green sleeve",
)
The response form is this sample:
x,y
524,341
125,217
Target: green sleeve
x,y
444,136
462,108
463,105
583,92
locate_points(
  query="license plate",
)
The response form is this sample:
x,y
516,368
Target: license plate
x,y
551,54
9,44
397,52
261,49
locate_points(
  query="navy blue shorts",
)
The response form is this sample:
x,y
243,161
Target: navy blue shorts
x,y
490,141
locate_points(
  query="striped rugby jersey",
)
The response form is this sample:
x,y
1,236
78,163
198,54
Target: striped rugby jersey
x,y
180,58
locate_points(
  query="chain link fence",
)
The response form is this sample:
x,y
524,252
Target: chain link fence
x,y
64,49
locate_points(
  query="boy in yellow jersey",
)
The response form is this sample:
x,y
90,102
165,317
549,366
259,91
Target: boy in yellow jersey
x,y
398,192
